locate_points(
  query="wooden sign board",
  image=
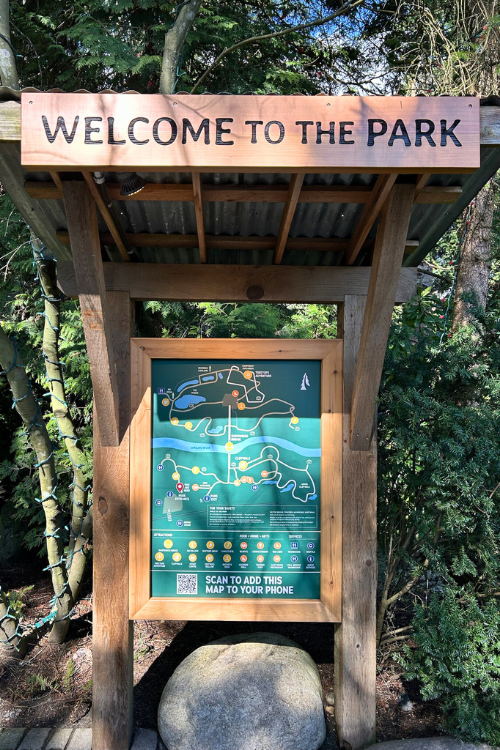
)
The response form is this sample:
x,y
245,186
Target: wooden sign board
x,y
122,132
236,486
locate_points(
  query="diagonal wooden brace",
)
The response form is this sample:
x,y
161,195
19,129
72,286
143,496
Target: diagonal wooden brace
x,y
84,235
382,288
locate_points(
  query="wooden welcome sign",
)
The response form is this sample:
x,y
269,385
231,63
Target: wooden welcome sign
x,y
252,133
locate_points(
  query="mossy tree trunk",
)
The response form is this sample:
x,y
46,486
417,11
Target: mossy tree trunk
x,y
12,641
80,526
28,409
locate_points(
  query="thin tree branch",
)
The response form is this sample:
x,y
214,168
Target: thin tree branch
x,y
251,40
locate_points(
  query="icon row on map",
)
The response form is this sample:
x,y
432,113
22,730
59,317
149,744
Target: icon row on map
x,y
177,557
168,544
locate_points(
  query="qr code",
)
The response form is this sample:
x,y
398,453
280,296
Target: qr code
x,y
187,583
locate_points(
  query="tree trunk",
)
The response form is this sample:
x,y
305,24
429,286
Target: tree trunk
x,y
475,259
174,42
80,526
12,641
29,410
8,69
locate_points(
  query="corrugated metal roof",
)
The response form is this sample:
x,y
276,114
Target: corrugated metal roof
x,y
260,219
312,220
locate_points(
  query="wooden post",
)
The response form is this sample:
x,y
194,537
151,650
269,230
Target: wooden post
x,y
112,630
355,641
84,235
382,290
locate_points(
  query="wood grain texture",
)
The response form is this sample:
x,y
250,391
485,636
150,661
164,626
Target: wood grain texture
x,y
355,637
142,606
10,121
140,459
112,630
287,216
196,283
280,143
490,126
370,213
239,610
331,481
109,215
387,258
166,192
10,124
198,209
89,275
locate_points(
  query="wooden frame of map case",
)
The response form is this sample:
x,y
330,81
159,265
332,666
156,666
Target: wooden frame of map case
x,y
142,605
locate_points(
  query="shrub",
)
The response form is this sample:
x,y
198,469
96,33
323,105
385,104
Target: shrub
x,y
457,660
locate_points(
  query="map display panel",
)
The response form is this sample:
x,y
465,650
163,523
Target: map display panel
x,y
236,460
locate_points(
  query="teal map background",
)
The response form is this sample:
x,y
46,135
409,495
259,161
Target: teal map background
x,y
236,458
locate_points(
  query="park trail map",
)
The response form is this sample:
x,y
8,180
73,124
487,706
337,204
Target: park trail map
x,y
236,458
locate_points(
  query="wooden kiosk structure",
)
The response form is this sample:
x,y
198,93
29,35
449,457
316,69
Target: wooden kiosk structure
x,y
246,198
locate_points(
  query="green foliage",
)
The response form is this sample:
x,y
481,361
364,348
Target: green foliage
x,y
68,675
37,683
439,507
98,45
457,659
21,308
16,599
241,321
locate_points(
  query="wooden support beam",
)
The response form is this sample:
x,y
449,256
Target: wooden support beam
x,y
183,192
422,181
234,283
200,224
228,242
370,213
287,217
57,181
91,289
385,271
112,630
109,215
355,637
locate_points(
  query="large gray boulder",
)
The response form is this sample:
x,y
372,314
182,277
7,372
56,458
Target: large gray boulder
x,y
246,692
